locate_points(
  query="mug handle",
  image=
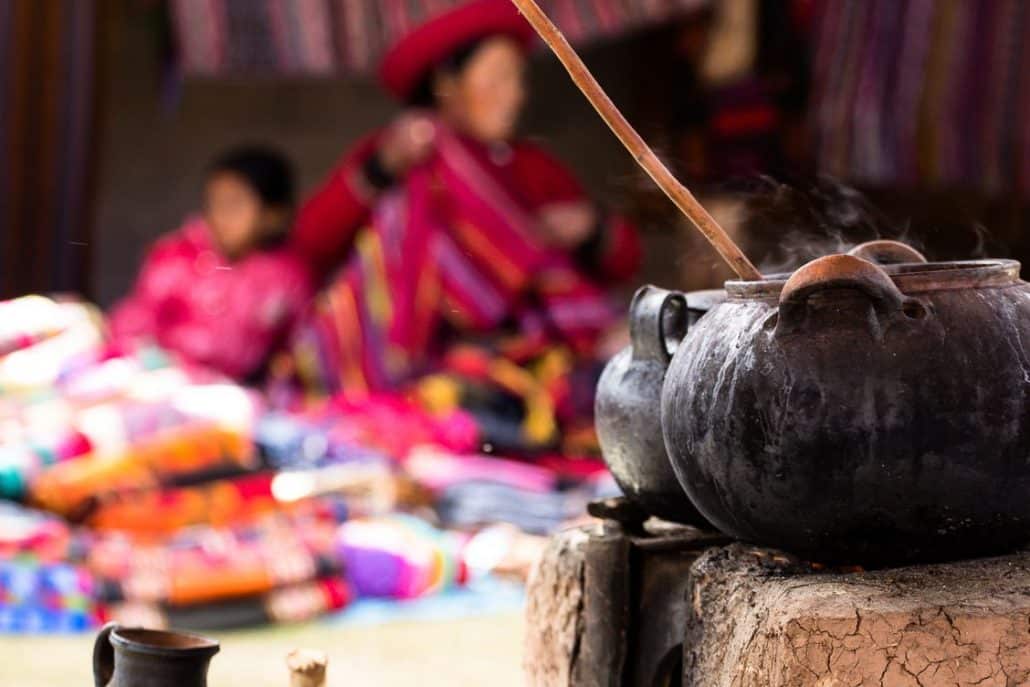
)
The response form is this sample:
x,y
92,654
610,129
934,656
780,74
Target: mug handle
x,y
657,323
103,655
836,272
887,252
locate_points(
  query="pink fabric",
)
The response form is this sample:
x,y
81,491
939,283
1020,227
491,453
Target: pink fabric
x,y
328,221
453,252
229,316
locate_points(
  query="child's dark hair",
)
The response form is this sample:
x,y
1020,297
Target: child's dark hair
x,y
423,95
264,169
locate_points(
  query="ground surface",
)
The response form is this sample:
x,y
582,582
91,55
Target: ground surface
x,y
475,651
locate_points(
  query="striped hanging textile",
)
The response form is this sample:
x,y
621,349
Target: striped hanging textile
x,y
934,93
326,37
48,117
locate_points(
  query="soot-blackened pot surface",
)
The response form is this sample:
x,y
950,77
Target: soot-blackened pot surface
x,y
851,417
628,402
138,657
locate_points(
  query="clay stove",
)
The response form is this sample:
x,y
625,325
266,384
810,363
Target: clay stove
x,y
632,603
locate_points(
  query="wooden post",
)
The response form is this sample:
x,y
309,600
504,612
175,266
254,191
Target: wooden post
x,y
606,607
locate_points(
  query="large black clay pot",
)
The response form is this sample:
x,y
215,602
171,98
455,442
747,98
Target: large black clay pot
x,y
628,402
860,414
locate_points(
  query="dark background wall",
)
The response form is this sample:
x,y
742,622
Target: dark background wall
x,y
155,144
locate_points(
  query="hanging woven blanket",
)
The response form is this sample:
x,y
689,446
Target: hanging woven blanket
x,y
924,92
326,37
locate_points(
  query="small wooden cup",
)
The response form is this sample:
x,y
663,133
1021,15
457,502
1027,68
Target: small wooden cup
x,y
307,667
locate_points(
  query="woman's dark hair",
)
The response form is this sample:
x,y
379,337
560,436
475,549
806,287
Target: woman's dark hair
x,y
453,64
264,169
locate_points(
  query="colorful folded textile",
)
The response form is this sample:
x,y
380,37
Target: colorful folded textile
x,y
296,441
400,557
367,488
502,550
39,620
37,435
132,403
28,320
517,398
41,597
475,504
346,429
438,470
155,512
290,604
360,488
25,453
208,564
396,424
29,532
105,375
186,454
33,371
18,464
101,401
475,490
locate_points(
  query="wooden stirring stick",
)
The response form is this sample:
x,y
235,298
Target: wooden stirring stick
x,y
643,154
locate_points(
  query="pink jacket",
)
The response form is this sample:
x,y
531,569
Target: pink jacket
x,y
229,316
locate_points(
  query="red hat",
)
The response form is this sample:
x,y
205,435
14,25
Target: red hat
x,y
412,57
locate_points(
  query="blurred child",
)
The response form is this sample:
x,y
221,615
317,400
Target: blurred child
x,y
223,291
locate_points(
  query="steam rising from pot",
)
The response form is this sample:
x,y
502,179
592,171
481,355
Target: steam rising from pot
x,y
801,224
792,225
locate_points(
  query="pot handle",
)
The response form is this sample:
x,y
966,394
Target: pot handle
x,y
103,655
836,272
657,323
886,252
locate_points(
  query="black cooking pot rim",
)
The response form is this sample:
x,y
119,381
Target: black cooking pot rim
x,y
910,277
163,642
705,299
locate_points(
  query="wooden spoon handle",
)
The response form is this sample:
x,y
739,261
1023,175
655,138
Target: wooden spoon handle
x,y
644,156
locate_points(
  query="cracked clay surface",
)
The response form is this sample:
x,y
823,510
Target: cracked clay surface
x,y
952,625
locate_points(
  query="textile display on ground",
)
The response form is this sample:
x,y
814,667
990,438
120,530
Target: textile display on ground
x,y
326,37
141,489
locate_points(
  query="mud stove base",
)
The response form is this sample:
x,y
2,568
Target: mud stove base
x,y
625,603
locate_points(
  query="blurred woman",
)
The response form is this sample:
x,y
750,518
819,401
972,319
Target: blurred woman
x,y
452,231
223,291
